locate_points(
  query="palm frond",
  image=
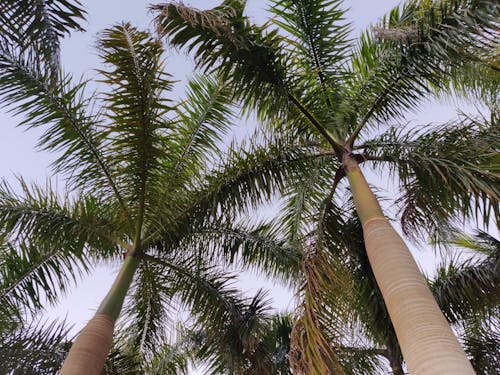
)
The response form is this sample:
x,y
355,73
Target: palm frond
x,y
39,26
37,215
482,344
48,243
120,361
146,313
413,48
255,247
305,197
243,178
319,41
64,113
136,108
205,290
31,277
204,118
245,55
464,289
233,347
473,82
172,359
325,296
446,172
35,349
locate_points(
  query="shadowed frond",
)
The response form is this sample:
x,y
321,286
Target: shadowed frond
x,y
234,346
482,345
464,289
205,290
246,56
36,349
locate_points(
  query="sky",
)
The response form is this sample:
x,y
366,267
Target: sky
x,y
18,154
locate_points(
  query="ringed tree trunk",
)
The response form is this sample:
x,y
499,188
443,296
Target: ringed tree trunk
x,y
92,345
427,342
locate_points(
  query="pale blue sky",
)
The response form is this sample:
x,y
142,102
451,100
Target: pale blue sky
x,y
17,148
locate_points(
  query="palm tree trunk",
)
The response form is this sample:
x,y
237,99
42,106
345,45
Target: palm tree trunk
x,y
90,349
428,344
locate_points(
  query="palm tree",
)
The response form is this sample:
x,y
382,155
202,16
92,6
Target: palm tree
x,y
146,185
309,78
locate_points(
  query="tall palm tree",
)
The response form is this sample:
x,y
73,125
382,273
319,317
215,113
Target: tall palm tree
x,y
146,185
308,77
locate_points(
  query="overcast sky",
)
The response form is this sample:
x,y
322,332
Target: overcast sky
x,y
17,147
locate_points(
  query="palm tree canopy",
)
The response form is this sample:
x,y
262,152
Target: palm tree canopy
x,y
321,82
144,175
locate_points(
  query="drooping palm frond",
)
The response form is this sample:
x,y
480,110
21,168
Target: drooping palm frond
x,y
474,83
257,248
467,288
38,27
449,170
146,314
178,283
48,243
305,197
324,296
251,58
29,278
482,345
64,114
35,349
464,289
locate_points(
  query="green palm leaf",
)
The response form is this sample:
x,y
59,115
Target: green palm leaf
x,y
466,288
48,243
417,44
136,108
204,118
35,349
39,27
449,169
